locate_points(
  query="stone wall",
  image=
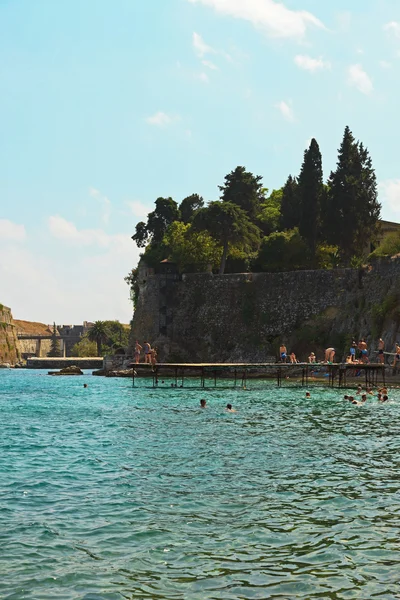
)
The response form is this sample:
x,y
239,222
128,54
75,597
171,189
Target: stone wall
x,y
244,317
9,352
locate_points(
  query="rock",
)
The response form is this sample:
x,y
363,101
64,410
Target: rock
x,y
72,370
99,373
121,373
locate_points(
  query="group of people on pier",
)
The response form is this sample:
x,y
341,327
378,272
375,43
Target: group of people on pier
x,y
358,354
150,354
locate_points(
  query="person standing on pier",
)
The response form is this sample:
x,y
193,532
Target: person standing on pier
x,y
147,353
138,349
381,349
283,353
397,356
353,349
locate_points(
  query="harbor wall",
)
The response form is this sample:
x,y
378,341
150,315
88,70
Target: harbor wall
x,y
245,317
9,351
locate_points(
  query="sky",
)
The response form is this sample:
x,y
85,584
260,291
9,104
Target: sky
x,y
107,105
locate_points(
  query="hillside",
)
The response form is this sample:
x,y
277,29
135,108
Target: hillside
x,y
32,328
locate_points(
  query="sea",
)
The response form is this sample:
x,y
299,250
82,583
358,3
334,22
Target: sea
x,y
112,492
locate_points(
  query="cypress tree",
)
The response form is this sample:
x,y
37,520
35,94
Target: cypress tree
x,y
352,210
290,207
55,344
310,190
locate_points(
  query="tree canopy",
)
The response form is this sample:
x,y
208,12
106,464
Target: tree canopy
x,y
306,223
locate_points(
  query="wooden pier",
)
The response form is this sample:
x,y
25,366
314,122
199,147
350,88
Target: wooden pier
x,y
208,374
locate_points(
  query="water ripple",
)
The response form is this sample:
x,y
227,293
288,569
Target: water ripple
x,y
112,493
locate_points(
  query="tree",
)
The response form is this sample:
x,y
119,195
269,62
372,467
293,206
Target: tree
x,y
290,206
165,213
98,333
269,216
55,344
229,225
352,210
245,190
310,190
282,251
189,206
190,247
84,348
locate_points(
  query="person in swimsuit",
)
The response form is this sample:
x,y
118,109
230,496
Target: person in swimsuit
x,y
203,403
293,359
229,408
312,359
283,353
381,349
329,355
147,353
364,351
397,357
138,349
353,349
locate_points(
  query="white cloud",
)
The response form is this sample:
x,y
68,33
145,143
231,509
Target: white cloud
x,y
311,64
389,195
209,65
138,209
200,47
393,28
274,17
384,64
286,110
358,78
62,229
11,231
160,119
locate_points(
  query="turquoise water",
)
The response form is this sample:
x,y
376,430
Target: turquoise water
x,y
114,493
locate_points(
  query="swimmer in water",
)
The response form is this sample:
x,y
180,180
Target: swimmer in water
x,y
385,399
229,408
359,390
203,403
308,395
364,398
85,385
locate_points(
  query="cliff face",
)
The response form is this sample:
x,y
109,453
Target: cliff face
x,y
206,318
9,352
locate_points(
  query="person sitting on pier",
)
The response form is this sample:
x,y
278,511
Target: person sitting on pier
x,y
147,353
138,349
312,358
353,349
283,353
329,355
293,359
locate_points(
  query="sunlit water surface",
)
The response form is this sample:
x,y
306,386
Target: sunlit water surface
x,y
109,492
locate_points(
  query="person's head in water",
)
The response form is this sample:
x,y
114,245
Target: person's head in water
x,y
346,397
308,395
85,385
203,403
364,398
229,406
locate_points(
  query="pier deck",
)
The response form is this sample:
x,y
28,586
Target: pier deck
x,y
337,373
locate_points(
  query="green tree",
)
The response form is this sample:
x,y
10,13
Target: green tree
x,y
117,334
310,190
98,334
290,206
84,348
189,206
390,245
352,208
55,344
282,251
165,213
269,216
190,247
245,190
229,225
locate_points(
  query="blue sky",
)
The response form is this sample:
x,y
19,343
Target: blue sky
x,y
107,105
